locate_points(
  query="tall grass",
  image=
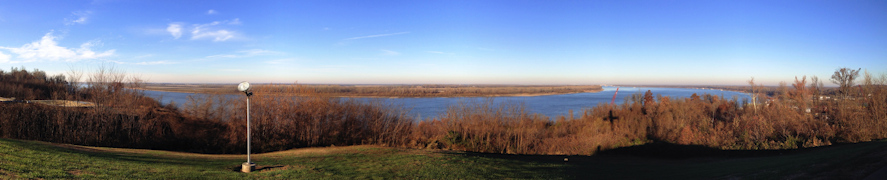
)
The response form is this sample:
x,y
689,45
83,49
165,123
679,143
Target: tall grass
x,y
282,120
782,122
124,117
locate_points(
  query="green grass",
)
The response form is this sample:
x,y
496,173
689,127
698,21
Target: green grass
x,y
31,160
34,160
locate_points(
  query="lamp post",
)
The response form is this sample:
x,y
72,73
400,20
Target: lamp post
x,y
248,166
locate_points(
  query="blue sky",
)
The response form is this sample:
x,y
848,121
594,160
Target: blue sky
x,y
452,42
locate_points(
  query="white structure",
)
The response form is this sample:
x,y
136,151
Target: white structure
x,y
248,166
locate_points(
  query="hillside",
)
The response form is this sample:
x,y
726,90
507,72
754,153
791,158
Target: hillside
x,y
40,160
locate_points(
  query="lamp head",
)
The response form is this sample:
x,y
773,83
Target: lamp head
x,y
243,87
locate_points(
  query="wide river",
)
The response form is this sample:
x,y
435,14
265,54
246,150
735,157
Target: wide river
x,y
549,105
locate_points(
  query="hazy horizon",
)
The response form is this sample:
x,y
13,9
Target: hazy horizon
x,y
449,42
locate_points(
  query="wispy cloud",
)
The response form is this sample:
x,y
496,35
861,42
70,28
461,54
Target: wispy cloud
x,y
77,17
377,35
211,31
246,53
389,52
215,35
231,70
47,49
175,30
4,58
211,12
235,21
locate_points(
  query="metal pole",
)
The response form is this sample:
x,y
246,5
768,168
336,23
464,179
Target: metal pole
x,y
247,132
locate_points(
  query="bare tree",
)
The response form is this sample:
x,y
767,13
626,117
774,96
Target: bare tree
x,y
816,90
844,78
754,93
801,94
815,87
74,78
868,82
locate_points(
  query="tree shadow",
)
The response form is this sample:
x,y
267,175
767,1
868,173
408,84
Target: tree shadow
x,y
662,160
667,150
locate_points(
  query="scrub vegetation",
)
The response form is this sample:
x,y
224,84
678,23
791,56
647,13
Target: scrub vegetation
x,y
799,116
293,116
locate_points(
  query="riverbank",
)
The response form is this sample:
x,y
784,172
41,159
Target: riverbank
x,y
388,91
767,90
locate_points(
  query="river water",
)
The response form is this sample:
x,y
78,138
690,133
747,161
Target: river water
x,y
549,105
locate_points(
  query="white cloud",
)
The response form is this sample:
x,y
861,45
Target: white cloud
x,y
48,49
389,52
78,17
208,31
246,53
212,31
4,58
175,30
377,35
217,35
235,21
210,12
255,52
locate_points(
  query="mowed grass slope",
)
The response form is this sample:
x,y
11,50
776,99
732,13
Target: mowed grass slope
x,y
33,160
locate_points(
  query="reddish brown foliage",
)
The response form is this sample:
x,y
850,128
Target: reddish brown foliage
x,y
282,120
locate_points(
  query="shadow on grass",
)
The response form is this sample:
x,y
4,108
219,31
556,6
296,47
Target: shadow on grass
x,y
258,168
676,151
660,160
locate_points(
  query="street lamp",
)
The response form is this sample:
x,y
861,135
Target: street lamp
x,y
248,166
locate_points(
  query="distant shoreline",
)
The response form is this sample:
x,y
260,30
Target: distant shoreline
x,y
392,91
766,90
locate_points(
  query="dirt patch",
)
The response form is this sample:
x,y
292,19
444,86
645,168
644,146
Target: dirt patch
x,y
76,147
7,174
273,168
314,151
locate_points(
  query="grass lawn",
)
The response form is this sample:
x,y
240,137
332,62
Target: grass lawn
x,y
31,160
34,160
